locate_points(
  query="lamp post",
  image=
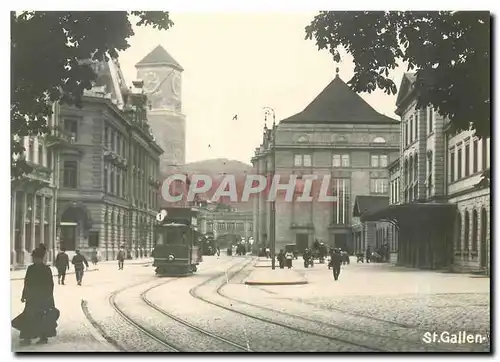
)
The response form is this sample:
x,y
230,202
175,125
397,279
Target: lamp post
x,y
272,222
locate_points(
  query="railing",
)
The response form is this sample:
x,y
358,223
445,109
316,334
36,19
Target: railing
x,y
58,133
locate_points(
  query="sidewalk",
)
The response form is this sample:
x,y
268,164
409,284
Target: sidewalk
x,y
20,273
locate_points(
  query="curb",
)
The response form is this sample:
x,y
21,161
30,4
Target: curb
x,y
300,282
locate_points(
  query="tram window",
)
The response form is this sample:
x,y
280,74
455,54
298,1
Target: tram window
x,y
160,239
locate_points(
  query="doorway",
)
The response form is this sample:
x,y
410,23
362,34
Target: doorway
x,y
483,248
68,237
340,241
302,242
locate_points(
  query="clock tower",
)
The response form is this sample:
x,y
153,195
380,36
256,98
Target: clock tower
x,y
161,74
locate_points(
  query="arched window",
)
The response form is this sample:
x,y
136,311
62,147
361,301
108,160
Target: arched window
x,y
466,231
458,232
378,140
475,221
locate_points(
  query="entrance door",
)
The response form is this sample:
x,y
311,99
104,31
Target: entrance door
x,y
340,241
302,242
68,237
483,247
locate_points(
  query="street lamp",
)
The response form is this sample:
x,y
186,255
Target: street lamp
x,y
272,222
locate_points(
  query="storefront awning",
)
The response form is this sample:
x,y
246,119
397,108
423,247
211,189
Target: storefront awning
x,y
409,212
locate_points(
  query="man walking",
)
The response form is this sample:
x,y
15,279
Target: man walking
x,y
121,258
80,263
336,263
62,264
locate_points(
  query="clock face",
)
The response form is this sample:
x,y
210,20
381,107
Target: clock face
x,y
176,84
151,81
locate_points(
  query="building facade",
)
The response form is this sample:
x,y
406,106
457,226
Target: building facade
x,y
440,209
33,199
338,135
109,180
162,76
226,223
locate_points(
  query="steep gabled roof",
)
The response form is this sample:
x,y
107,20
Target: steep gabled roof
x,y
369,204
337,103
405,87
159,56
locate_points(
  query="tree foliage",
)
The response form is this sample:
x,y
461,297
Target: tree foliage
x,y
450,52
47,49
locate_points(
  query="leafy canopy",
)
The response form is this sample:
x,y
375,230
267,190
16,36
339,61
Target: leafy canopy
x,y
449,50
47,49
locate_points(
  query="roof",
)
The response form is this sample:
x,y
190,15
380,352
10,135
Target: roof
x,y
337,103
369,204
159,56
405,88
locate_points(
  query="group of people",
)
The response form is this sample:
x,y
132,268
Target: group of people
x,y
40,315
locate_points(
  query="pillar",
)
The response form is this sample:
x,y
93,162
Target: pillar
x,y
42,222
52,228
23,254
32,219
13,201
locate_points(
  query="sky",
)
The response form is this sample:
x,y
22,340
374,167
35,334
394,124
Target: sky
x,y
238,63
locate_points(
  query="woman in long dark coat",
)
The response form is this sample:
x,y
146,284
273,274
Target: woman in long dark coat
x,y
40,315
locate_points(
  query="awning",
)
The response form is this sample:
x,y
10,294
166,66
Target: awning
x,y
411,212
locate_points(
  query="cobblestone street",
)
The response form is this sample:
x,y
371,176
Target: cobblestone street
x,y
214,310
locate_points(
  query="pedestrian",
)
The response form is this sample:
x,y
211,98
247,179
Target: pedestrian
x,y
368,254
93,257
289,258
62,265
80,262
268,253
336,263
121,258
281,259
218,251
39,318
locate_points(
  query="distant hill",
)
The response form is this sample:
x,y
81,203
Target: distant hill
x,y
216,169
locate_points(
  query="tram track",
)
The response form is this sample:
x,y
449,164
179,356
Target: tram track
x,y
194,294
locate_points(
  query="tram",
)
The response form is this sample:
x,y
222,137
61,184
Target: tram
x,y
176,252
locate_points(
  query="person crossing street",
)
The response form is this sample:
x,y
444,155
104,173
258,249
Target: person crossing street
x,y
336,263
62,265
80,262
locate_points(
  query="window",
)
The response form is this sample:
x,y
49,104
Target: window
x,y
105,179
341,207
31,149
112,145
38,207
118,183
416,126
466,231
378,186
406,141
302,160
40,155
484,152
475,156
112,179
307,161
124,186
49,158
71,127
47,209
336,161
411,129
452,166
379,160
70,172
431,120
106,136
459,163
467,160
345,160
340,160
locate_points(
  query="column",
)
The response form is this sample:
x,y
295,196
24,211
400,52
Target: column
x,y
22,248
42,222
13,201
52,231
32,219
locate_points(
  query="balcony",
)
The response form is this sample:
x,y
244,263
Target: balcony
x,y
59,138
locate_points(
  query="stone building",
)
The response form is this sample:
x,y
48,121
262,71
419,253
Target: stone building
x,y
33,198
109,178
340,135
225,223
162,76
440,208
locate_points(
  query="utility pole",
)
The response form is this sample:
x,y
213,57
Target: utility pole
x,y
272,221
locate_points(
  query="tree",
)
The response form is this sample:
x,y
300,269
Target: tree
x,y
48,50
450,52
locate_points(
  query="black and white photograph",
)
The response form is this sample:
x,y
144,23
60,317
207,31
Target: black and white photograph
x,y
250,181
